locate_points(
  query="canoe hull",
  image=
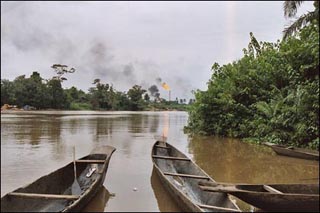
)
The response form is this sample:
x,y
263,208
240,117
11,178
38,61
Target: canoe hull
x,y
294,152
59,183
185,190
297,153
273,197
182,202
279,202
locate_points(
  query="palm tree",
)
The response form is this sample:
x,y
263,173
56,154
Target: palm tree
x,y
290,10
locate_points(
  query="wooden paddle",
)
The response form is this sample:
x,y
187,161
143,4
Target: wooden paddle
x,y
75,188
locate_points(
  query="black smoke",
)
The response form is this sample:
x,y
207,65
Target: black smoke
x,y
153,90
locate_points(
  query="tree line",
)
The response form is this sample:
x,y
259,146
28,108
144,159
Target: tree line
x,y
49,94
270,94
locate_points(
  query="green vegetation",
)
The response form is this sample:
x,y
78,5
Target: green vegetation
x,y
270,94
49,94
290,10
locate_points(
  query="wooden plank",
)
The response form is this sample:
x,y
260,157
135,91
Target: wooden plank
x,y
52,196
170,158
186,175
164,147
229,187
226,189
217,208
271,189
91,161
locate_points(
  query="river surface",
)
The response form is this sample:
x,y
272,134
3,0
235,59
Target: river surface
x,y
34,144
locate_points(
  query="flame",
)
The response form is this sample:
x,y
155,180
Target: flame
x,y
165,86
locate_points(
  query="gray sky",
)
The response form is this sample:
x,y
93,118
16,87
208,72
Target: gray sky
x,y
127,43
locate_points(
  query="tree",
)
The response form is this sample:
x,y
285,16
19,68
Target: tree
x,y
20,91
146,97
102,95
121,102
191,101
57,97
73,94
271,96
7,92
61,69
290,10
254,46
135,96
36,91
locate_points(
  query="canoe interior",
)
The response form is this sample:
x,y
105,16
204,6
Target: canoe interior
x,y
57,182
188,186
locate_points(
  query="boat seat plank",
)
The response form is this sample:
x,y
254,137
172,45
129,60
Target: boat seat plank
x,y
217,208
186,175
91,161
170,158
52,196
271,189
226,189
164,147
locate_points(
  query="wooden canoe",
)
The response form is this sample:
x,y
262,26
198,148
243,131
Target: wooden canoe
x,y
52,192
272,197
294,152
180,177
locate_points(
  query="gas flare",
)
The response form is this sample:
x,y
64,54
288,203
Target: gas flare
x,y
165,86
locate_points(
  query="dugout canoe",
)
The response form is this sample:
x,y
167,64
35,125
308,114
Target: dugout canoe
x,y
272,197
294,152
52,192
180,177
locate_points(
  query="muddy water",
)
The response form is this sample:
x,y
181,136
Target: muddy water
x,y
230,160
35,144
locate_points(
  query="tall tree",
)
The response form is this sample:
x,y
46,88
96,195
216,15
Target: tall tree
x,y
135,95
57,96
102,96
7,92
290,10
20,90
61,69
36,91
146,97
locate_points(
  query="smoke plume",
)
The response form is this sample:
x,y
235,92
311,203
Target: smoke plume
x,y
35,35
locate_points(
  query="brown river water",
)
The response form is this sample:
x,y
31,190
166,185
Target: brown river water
x,y
34,144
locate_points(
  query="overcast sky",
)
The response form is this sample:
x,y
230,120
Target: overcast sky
x,y
128,43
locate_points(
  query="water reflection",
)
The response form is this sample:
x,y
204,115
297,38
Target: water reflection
x,y
33,129
41,142
99,202
164,200
154,124
229,160
136,123
104,126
